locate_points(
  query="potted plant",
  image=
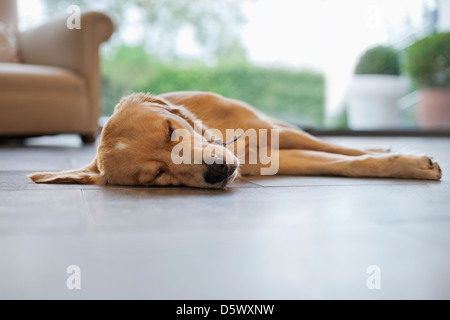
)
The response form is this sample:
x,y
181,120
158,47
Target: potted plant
x,y
428,63
375,90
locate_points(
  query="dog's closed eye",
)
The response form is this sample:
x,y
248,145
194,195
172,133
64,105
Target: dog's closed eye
x,y
170,131
159,174
154,177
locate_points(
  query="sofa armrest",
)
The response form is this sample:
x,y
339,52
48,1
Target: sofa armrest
x,y
53,44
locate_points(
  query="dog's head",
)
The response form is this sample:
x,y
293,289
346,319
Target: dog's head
x,y
138,145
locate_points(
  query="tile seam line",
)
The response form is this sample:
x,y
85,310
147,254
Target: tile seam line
x,y
345,185
253,187
87,214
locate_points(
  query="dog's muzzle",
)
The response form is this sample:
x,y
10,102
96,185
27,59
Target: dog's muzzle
x,y
219,172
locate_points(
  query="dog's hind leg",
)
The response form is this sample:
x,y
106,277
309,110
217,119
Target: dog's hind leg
x,y
293,138
316,163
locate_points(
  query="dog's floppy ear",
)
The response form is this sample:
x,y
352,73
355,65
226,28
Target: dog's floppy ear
x,y
146,97
86,175
139,98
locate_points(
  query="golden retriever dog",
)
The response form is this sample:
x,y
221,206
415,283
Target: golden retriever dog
x,y
139,145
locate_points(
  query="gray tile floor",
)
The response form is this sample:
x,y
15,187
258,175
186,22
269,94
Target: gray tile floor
x,y
263,238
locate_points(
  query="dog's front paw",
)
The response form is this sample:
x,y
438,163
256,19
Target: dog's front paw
x,y
433,169
413,166
427,168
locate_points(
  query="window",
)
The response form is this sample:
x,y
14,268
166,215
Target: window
x,y
291,59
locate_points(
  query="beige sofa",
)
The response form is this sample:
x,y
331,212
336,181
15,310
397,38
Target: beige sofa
x,y
57,86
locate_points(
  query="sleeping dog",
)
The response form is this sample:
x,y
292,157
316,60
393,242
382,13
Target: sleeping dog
x,y
205,140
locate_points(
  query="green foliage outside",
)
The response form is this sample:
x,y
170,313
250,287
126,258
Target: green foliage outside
x,y
216,25
379,60
159,67
428,61
297,97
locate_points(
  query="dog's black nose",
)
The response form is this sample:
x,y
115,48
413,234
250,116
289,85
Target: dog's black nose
x,y
216,172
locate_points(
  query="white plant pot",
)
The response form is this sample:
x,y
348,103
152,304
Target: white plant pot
x,y
373,101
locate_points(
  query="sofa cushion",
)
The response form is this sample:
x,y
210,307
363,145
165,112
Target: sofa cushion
x,y
26,78
40,100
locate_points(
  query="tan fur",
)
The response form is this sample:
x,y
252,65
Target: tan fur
x,y
135,146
